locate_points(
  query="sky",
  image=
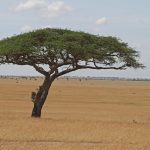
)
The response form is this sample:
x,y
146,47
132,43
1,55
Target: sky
x,y
128,20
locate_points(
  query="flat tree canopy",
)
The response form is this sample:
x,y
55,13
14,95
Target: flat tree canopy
x,y
72,50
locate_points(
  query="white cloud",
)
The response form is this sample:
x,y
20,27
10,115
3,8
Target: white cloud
x,y
26,28
30,5
43,8
45,26
55,9
101,21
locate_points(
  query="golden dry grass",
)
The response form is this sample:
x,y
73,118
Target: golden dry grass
x,y
86,115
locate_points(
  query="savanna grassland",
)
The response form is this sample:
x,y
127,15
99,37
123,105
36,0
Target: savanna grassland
x,y
78,115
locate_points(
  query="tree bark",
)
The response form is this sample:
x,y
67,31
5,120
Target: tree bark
x,y
41,97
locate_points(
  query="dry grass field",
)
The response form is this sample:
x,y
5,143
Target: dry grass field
x,y
86,115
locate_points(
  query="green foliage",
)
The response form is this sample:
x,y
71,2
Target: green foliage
x,y
47,45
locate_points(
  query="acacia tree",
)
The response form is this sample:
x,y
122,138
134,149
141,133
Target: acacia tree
x,y
71,50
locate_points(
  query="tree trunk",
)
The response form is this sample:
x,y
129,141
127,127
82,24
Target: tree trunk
x,y
41,97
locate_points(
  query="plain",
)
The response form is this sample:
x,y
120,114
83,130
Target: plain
x,y
78,115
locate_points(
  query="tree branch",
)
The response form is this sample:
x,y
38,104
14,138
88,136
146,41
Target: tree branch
x,y
104,68
66,71
40,70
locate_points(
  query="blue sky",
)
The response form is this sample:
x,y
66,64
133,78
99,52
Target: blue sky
x,y
126,19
